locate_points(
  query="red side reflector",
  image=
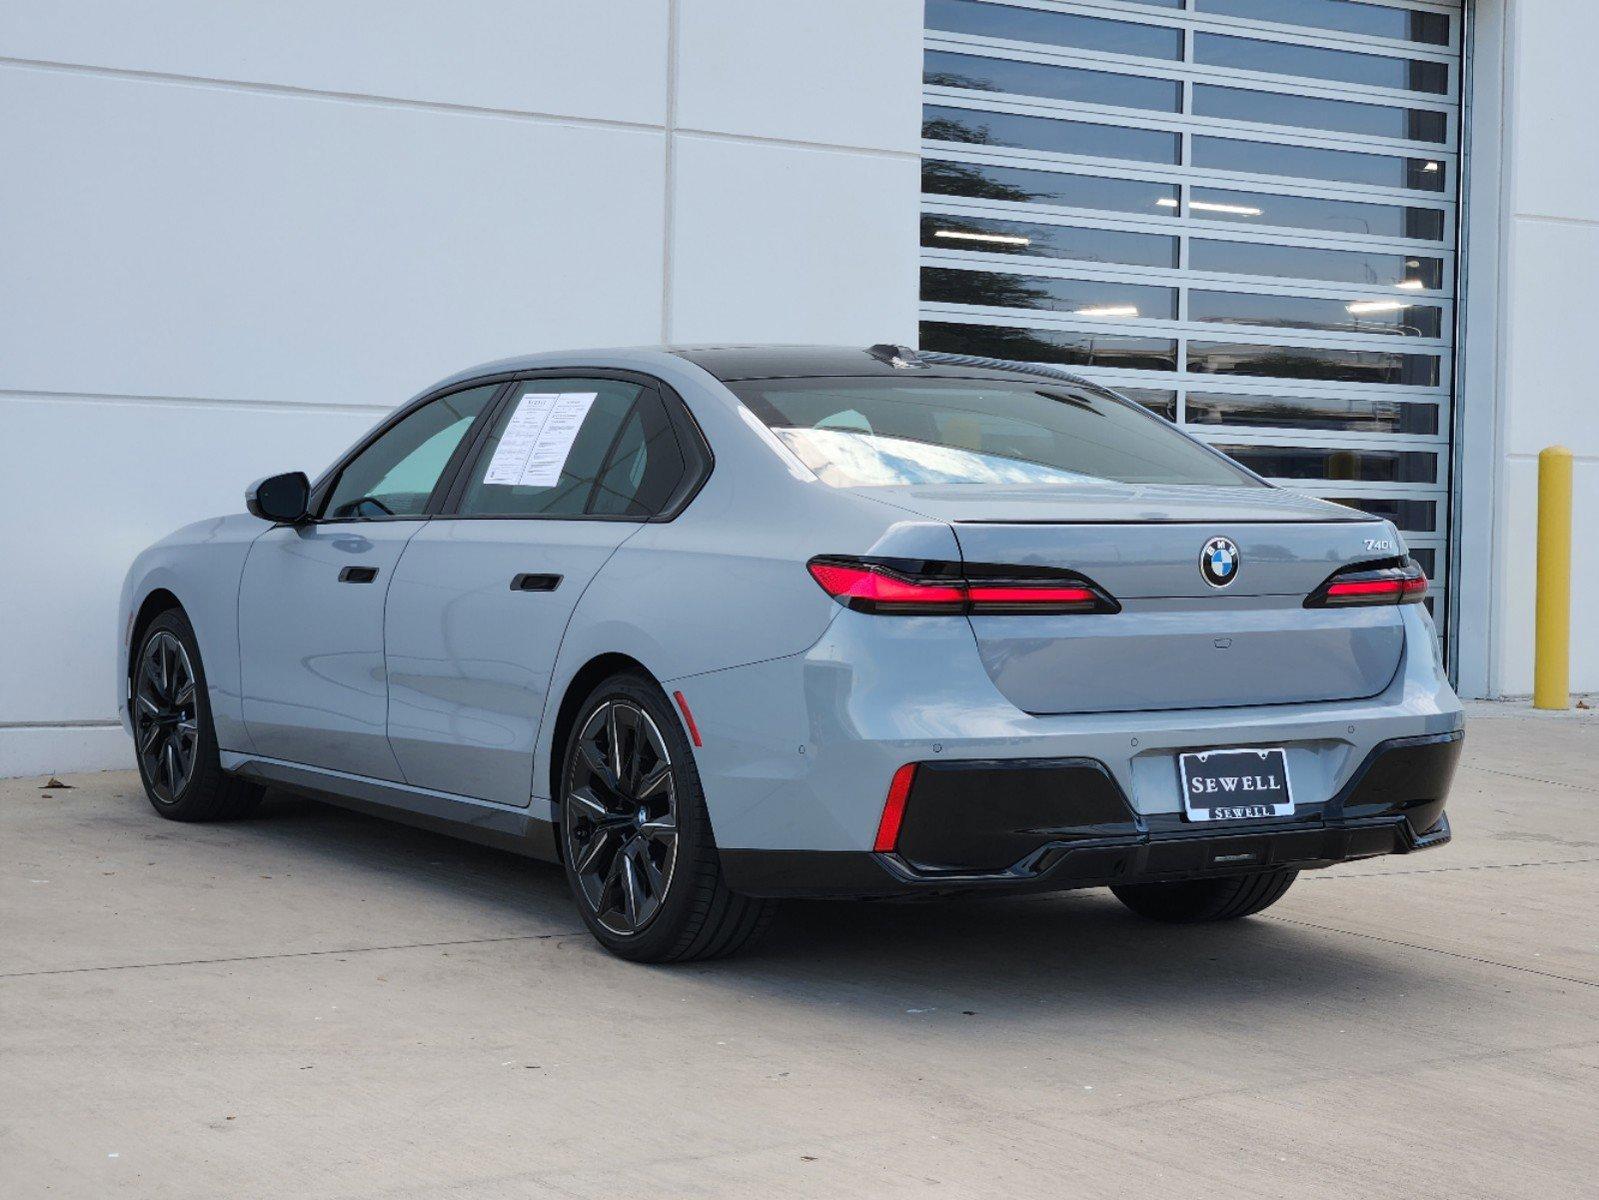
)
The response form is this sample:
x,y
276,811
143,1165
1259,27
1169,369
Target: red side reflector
x,y
899,791
688,718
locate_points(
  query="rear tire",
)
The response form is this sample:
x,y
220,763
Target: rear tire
x,y
1194,901
175,742
636,838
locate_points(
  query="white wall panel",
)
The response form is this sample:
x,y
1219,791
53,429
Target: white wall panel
x,y
209,242
232,234
1551,317
1547,313
1555,141
597,60
783,244
834,71
99,482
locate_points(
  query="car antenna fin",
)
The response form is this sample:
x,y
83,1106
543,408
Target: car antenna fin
x,y
899,357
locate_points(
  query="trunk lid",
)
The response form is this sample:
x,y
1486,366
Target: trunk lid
x,y
1178,642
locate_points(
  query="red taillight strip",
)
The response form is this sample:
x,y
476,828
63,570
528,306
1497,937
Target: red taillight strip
x,y
1378,587
899,790
688,718
878,587
1022,594
1371,584
874,588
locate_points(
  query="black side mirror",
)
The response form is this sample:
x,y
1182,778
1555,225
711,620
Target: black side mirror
x,y
281,499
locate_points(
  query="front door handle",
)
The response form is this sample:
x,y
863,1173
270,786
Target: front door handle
x,y
528,582
358,574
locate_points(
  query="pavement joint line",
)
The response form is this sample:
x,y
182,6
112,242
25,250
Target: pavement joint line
x,y
1559,783
1408,1065
1487,962
204,962
1322,877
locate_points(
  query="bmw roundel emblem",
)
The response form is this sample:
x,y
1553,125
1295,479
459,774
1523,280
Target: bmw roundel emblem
x,y
1219,561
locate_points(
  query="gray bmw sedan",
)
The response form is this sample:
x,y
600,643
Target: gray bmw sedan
x,y
715,626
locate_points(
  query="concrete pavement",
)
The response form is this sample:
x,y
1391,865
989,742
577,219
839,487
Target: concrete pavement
x,y
319,1004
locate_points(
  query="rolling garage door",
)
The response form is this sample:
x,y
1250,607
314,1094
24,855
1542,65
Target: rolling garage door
x,y
1240,212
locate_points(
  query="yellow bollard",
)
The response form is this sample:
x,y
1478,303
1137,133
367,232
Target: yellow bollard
x,y
1551,678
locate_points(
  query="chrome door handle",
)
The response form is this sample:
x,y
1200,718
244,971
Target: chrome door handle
x,y
528,582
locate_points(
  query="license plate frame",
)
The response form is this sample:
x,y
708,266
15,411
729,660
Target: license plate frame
x,y
1259,787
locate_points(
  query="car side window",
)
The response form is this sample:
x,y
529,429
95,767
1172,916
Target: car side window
x,y
575,447
395,475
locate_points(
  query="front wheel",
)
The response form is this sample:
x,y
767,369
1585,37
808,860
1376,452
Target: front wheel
x,y
1193,901
174,740
635,836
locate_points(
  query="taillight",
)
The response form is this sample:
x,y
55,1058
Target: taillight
x,y
877,589
932,589
1390,582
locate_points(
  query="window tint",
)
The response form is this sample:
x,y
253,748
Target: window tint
x,y
1341,66
1310,212
1372,268
1308,112
1057,347
1375,20
940,231
1091,298
1418,515
395,475
941,124
568,447
1308,162
1313,362
1054,28
884,433
1315,462
645,466
1018,184
1161,403
1313,412
980,73
1396,317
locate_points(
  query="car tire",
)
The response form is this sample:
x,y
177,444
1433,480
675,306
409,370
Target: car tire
x,y
175,742
635,835
1193,901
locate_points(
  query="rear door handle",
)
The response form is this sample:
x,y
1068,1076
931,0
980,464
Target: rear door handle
x,y
528,582
358,574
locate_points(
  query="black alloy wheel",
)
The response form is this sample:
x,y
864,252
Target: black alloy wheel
x,y
165,716
620,817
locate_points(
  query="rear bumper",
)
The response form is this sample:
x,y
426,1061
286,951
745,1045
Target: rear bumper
x,y
1058,824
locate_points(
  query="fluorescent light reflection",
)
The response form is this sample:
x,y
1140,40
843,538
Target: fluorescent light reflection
x,y
1363,307
1412,285
1232,210
1109,310
1236,210
1000,238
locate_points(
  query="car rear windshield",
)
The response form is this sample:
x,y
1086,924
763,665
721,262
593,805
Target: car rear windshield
x,y
895,432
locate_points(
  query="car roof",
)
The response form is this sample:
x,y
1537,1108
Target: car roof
x,y
734,363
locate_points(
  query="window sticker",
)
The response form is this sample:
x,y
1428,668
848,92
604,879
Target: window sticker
x,y
538,438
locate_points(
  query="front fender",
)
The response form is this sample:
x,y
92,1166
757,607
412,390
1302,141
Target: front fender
x,y
200,565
